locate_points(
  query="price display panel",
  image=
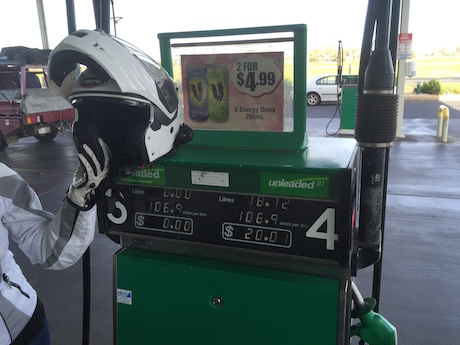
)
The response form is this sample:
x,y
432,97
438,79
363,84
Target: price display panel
x,y
291,226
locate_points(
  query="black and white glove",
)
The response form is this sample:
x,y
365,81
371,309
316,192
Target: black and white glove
x,y
85,179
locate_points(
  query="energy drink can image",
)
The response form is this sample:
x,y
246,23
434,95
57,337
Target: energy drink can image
x,y
217,77
197,92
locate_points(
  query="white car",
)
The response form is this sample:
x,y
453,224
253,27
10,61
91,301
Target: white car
x,y
322,89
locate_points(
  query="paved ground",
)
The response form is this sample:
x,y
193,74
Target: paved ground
x,y
421,268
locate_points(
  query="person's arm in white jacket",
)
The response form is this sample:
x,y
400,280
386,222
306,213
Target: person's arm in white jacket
x,y
57,241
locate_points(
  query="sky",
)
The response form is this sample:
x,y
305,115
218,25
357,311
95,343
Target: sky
x,y
328,21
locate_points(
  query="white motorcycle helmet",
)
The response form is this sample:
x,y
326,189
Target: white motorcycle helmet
x,y
123,96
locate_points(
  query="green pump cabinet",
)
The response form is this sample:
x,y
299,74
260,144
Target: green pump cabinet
x,y
175,299
348,113
237,247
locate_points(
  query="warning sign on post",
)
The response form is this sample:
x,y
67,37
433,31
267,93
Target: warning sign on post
x,y
404,46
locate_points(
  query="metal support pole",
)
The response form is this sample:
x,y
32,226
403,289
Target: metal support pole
x,y
102,14
42,23
404,28
71,22
114,19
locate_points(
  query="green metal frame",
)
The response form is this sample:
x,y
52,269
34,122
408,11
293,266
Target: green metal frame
x,y
295,140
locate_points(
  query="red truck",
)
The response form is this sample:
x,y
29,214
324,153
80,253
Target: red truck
x,y
27,108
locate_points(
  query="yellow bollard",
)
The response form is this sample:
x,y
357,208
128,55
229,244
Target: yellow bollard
x,y
445,124
440,116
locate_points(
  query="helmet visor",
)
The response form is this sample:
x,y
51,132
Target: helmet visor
x,y
165,86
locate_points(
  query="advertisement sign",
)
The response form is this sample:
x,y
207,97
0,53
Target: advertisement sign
x,y
242,92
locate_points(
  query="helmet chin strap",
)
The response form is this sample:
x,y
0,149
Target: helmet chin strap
x,y
184,136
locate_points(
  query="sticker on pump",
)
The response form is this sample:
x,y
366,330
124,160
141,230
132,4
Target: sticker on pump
x,y
124,296
210,178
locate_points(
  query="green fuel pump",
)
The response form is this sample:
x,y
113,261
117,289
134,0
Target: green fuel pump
x,y
249,233
244,235
339,83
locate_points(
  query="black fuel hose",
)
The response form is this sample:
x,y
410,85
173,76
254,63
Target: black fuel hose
x,y
375,127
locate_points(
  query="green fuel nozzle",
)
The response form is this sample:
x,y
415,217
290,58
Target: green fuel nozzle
x,y
373,328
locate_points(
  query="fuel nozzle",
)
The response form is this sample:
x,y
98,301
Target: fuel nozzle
x,y
373,328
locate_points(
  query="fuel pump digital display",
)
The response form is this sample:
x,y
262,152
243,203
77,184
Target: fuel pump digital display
x,y
291,226
257,235
155,222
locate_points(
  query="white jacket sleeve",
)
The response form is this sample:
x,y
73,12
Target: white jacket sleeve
x,y
56,242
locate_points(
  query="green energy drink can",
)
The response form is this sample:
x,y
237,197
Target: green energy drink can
x,y
197,92
218,92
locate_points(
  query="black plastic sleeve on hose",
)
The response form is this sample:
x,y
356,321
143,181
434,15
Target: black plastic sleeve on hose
x,y
376,118
371,205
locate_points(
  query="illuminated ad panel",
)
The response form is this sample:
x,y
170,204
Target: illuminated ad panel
x,y
242,92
